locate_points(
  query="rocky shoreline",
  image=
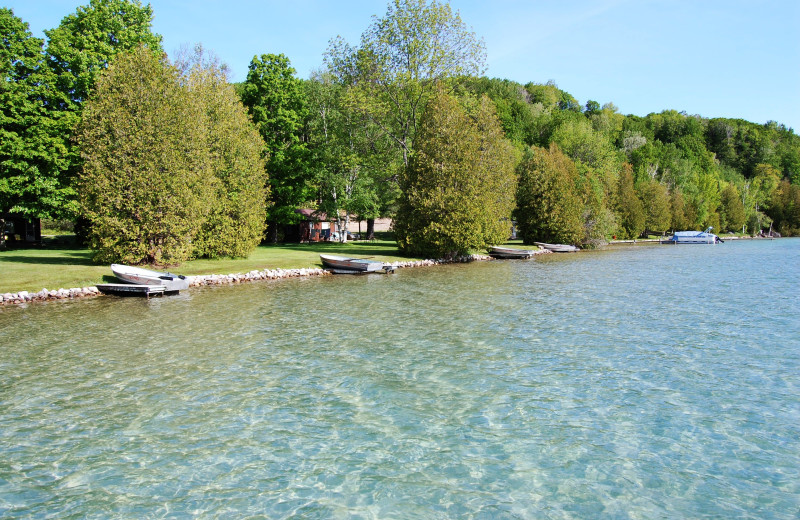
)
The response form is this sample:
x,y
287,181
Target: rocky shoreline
x,y
23,297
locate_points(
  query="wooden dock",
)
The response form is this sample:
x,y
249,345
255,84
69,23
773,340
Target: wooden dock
x,y
128,289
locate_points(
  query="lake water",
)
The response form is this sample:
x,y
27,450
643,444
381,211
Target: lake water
x,y
640,382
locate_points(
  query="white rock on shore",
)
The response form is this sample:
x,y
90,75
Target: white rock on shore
x,y
216,279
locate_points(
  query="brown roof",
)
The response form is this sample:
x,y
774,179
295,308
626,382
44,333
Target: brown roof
x,y
311,214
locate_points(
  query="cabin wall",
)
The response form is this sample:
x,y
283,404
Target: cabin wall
x,y
19,230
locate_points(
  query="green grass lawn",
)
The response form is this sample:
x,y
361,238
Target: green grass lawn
x,y
64,266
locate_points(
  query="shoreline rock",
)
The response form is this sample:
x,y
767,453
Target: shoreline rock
x,y
23,297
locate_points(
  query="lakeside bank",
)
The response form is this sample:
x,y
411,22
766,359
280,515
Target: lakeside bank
x,y
45,295
21,297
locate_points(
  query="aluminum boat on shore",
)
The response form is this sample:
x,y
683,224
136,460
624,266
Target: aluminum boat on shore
x,y
510,252
345,265
141,276
558,248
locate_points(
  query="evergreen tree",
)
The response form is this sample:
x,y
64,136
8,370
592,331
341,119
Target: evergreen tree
x,y
549,206
144,185
173,166
679,222
458,189
656,205
235,217
630,211
785,208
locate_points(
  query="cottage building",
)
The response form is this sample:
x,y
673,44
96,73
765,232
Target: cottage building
x,y
315,227
19,230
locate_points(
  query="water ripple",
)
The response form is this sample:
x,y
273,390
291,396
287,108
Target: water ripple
x,y
656,382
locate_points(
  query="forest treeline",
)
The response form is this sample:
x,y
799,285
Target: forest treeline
x,y
661,172
160,161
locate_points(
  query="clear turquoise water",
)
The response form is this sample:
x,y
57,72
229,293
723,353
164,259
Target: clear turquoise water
x,y
644,382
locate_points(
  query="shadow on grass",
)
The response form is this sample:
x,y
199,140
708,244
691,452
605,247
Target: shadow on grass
x,y
63,258
356,248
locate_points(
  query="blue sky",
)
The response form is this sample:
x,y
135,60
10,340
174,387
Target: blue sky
x,y
731,58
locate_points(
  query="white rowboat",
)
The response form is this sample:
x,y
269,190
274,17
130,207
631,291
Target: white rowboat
x,y
342,264
138,275
510,252
558,248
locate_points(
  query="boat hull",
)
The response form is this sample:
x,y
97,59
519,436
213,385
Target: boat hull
x,y
558,248
140,276
694,237
510,253
344,265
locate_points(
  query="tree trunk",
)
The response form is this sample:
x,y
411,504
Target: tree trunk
x,y
341,223
370,229
272,232
346,225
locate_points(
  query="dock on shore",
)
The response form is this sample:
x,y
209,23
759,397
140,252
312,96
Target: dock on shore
x,y
127,289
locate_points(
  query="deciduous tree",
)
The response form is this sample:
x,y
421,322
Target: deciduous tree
x,y
277,103
33,137
85,42
77,52
402,57
732,216
350,158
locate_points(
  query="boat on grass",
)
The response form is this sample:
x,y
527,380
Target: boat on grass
x,y
345,265
694,237
141,276
510,252
558,248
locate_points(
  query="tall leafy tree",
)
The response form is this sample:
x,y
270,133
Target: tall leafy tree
x,y
678,211
656,205
549,204
630,211
732,216
78,51
32,136
785,208
235,215
457,193
85,42
402,57
348,154
277,103
144,185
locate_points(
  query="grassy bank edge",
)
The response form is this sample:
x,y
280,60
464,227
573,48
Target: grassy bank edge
x,y
63,266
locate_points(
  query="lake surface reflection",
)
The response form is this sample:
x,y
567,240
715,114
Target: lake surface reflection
x,y
642,382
